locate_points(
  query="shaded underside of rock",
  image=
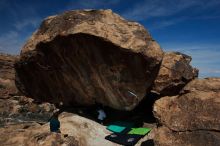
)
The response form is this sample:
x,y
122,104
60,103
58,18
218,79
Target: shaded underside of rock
x,y
195,109
175,72
166,137
87,57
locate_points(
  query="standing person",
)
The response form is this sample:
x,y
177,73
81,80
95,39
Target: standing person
x,y
55,123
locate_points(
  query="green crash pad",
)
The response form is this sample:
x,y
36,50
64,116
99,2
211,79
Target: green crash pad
x,y
115,128
119,126
139,131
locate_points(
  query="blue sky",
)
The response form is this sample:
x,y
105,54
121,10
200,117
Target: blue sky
x,y
188,26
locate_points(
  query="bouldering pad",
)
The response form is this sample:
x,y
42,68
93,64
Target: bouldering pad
x,y
119,126
139,131
124,139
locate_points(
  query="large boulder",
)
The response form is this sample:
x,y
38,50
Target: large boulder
x,y
175,72
167,137
86,56
197,108
191,118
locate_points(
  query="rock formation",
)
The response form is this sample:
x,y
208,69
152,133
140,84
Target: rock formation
x,y
15,108
175,72
33,134
193,115
7,66
166,137
19,109
75,131
85,57
7,75
90,133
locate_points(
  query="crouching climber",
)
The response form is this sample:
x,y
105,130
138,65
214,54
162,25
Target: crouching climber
x,y
101,115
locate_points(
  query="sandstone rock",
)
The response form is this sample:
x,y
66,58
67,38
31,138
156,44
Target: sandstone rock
x,y
13,108
198,108
33,134
166,137
88,132
75,131
87,56
175,72
205,85
18,109
7,66
85,131
7,75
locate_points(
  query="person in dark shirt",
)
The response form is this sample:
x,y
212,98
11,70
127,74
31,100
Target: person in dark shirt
x,y
55,123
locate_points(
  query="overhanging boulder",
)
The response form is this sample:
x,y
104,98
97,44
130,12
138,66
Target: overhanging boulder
x,y
85,57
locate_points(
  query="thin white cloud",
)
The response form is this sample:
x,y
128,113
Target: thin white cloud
x,y
91,4
33,22
165,23
24,18
210,70
157,8
205,57
10,42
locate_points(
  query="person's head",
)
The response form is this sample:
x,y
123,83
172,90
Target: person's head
x,y
56,113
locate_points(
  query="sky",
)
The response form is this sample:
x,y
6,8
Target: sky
x,y
188,26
